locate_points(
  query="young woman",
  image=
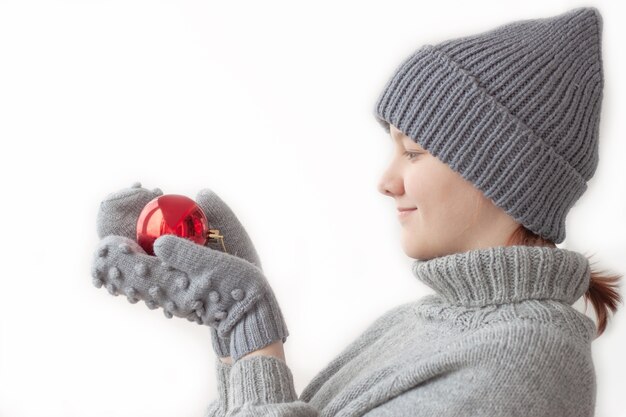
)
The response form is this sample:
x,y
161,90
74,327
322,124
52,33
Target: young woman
x,y
496,135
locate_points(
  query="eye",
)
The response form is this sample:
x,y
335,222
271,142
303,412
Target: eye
x,y
411,155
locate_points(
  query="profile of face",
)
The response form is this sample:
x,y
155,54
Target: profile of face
x,y
449,213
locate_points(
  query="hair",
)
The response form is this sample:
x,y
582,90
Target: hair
x,y
602,292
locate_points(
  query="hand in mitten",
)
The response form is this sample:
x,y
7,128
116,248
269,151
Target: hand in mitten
x,y
118,215
228,293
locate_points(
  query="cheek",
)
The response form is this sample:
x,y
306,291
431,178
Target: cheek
x,y
443,198
427,188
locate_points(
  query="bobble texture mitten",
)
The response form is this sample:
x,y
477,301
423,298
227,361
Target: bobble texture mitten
x,y
225,291
117,215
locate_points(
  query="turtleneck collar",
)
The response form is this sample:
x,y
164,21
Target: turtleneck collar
x,y
506,274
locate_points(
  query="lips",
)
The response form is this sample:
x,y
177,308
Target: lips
x,y
405,213
406,208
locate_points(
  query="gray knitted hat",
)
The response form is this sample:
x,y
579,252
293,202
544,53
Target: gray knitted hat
x,y
515,110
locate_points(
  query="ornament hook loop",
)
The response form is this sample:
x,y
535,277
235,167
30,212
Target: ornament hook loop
x,y
215,234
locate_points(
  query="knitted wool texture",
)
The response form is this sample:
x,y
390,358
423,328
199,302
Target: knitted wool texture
x,y
515,110
498,338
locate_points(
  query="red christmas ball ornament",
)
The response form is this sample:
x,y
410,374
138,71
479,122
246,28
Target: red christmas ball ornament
x,y
173,214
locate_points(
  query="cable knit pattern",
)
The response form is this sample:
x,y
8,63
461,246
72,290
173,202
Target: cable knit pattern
x,y
499,337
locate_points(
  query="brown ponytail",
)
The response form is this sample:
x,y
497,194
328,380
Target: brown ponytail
x,y
602,290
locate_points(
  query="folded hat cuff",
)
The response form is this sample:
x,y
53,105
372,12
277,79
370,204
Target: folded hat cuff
x,y
438,104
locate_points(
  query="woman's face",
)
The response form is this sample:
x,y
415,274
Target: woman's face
x,y
449,213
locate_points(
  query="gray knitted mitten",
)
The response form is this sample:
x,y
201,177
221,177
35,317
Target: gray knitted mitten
x,y
119,211
226,292
118,215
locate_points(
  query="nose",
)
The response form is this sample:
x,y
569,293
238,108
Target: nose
x,y
390,184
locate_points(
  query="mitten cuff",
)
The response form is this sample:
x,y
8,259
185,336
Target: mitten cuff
x,y
261,326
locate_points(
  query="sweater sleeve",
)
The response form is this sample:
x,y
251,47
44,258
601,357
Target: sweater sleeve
x,y
263,386
217,408
551,375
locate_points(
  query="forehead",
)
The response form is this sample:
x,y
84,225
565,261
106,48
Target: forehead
x,y
395,133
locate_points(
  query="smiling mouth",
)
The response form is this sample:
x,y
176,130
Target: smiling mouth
x,y
405,213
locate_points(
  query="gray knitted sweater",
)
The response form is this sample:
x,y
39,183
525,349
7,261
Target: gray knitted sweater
x,y
498,338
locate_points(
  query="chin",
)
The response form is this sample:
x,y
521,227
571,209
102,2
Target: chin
x,y
413,249
419,248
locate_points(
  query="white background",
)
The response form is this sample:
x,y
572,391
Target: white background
x,y
269,104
